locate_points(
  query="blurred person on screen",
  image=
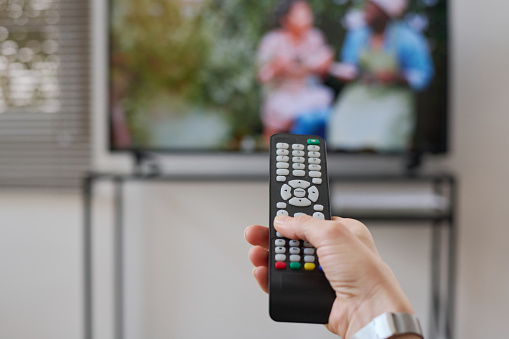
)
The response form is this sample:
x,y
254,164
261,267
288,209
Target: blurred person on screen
x,y
291,59
384,61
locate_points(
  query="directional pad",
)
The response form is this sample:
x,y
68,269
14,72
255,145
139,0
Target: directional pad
x,y
286,192
313,193
299,183
300,202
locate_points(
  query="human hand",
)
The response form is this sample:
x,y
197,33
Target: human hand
x,y
365,286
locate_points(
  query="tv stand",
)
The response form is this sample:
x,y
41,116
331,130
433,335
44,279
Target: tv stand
x,y
441,217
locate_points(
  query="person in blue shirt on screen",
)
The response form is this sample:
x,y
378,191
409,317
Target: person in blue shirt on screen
x,y
384,62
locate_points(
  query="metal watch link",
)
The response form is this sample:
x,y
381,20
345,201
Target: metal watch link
x,y
388,325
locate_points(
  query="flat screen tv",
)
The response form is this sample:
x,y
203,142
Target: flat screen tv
x,y
370,76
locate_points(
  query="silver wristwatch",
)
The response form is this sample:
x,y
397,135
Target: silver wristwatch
x,y
388,325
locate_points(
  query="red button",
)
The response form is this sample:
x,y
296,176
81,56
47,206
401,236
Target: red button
x,y
280,265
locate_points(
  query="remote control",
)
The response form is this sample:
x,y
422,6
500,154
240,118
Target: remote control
x,y
298,289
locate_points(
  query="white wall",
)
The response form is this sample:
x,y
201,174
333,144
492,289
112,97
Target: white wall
x,y
197,281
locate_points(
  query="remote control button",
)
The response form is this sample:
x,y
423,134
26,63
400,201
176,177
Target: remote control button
x,y
299,192
318,208
299,183
280,265
294,243
314,154
283,158
319,215
279,234
282,152
298,153
295,250
307,258
299,173
282,165
286,192
309,266
313,142
280,178
282,212
309,251
295,257
282,171
298,214
298,159
307,244
315,174
317,181
283,205
280,242
315,167
298,166
313,148
313,194
315,161
281,250
298,147
300,202
282,257
282,145
295,265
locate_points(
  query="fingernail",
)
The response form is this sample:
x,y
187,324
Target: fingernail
x,y
281,219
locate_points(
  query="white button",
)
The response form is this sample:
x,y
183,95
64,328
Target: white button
x,y
315,167
319,215
313,194
281,250
283,145
283,158
316,207
282,171
294,250
280,178
286,192
298,147
315,161
294,243
299,173
282,152
298,214
314,154
295,257
282,212
281,257
300,202
298,159
280,242
298,153
309,251
309,258
298,166
299,183
317,181
307,244
315,174
278,234
314,148
282,165
299,192
283,205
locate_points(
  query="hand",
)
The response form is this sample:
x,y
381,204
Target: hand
x,y
365,286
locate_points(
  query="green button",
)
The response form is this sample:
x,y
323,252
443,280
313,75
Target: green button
x,y
313,142
295,265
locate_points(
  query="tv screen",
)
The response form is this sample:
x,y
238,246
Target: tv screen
x,y
223,75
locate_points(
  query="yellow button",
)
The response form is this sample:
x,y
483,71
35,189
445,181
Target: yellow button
x,y
309,266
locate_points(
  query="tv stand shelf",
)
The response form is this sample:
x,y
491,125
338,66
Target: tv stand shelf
x,y
441,219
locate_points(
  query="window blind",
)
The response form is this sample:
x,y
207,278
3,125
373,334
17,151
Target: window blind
x,y
44,93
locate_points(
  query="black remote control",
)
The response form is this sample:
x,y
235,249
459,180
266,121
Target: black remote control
x,y
298,289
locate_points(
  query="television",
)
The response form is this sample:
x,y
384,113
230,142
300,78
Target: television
x,y
204,76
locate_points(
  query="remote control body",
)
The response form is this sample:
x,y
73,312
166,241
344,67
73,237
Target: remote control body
x,y
298,289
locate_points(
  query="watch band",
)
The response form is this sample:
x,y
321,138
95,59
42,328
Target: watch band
x,y
388,325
